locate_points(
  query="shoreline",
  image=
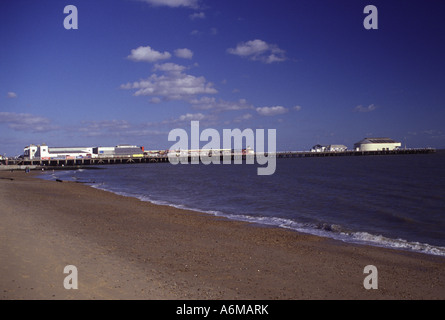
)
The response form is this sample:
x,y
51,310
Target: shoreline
x,y
323,231
391,243
125,248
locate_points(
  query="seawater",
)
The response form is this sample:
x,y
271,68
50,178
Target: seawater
x,y
392,201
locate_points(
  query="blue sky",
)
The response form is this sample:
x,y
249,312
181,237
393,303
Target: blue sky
x,y
136,69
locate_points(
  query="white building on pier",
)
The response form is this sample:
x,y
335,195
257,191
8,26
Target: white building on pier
x,y
377,144
43,152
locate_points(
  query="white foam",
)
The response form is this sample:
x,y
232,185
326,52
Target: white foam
x,y
323,230
397,243
334,232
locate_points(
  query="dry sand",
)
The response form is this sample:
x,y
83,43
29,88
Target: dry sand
x,y
124,248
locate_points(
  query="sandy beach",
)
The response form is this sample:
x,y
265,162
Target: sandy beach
x,y
124,248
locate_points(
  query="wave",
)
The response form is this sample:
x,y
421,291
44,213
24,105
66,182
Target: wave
x,y
397,243
332,231
336,232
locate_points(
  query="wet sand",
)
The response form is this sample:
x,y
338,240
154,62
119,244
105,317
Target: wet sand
x,y
124,248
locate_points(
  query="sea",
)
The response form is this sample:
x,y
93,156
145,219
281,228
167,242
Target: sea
x,y
394,201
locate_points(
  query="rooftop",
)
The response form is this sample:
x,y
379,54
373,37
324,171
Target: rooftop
x,y
377,140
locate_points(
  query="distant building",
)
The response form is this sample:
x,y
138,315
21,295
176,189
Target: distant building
x,y
43,152
377,144
30,151
329,148
104,151
337,148
318,148
125,150
47,153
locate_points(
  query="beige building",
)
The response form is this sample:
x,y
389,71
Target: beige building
x,y
377,144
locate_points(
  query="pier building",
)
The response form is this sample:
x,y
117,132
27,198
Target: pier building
x,y
329,148
377,144
43,152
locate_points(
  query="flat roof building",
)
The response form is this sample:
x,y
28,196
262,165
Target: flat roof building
x,y
337,148
329,148
43,152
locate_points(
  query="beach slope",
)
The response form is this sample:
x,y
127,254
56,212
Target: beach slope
x,y
124,248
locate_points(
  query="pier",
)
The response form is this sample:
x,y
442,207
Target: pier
x,y
66,164
304,154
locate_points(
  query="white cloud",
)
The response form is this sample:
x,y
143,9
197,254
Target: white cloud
x,y
187,118
169,67
12,95
249,48
197,15
210,103
26,122
434,134
105,124
298,108
155,100
147,54
174,85
259,50
274,58
243,117
191,117
174,3
115,128
369,108
184,53
212,32
271,111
